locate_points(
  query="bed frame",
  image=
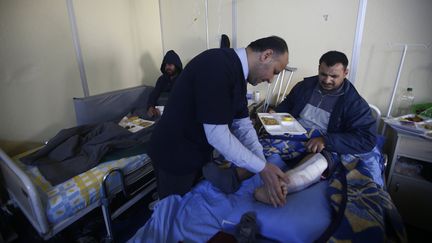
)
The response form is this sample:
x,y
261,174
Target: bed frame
x,y
92,109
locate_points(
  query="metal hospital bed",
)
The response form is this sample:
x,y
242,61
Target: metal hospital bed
x,y
49,208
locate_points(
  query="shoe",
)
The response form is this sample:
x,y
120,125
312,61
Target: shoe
x,y
247,229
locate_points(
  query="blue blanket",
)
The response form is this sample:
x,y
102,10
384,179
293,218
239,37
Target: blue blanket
x,y
362,209
205,210
351,204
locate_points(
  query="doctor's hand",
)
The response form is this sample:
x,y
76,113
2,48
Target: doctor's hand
x,y
272,176
315,145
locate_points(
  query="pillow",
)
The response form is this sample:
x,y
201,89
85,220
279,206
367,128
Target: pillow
x,y
111,105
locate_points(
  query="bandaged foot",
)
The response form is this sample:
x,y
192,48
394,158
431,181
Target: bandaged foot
x,y
305,174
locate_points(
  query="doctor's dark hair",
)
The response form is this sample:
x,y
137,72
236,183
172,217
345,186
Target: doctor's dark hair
x,y
277,44
332,58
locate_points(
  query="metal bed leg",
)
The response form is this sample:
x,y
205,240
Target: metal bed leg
x,y
105,202
107,219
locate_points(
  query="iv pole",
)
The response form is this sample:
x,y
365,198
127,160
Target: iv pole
x,y
400,70
398,77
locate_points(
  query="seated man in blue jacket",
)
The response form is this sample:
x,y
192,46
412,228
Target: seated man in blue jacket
x,y
171,68
329,103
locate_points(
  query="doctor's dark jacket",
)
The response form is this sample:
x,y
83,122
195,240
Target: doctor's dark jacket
x,y
351,128
164,84
210,90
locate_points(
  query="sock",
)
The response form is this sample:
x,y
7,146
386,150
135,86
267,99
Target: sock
x,y
225,179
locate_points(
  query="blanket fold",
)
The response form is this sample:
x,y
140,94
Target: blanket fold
x,y
75,150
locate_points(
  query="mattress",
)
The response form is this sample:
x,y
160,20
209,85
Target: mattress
x,y
68,198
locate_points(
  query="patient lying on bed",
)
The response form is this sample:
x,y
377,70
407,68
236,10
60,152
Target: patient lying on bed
x,y
306,173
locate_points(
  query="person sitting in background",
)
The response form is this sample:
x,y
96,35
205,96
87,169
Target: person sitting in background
x,y
330,104
171,68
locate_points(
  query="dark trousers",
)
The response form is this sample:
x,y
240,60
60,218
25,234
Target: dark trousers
x,y
172,184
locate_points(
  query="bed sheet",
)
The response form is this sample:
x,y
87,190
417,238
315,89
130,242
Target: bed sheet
x,y
205,210
67,198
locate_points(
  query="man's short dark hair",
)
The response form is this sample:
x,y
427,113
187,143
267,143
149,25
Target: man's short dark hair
x,y
275,43
332,58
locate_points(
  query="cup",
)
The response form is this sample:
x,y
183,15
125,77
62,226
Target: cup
x,y
256,96
160,108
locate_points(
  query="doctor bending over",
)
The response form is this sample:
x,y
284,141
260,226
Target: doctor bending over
x,y
207,110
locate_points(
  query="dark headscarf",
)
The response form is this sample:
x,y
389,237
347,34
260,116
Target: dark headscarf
x,y
172,58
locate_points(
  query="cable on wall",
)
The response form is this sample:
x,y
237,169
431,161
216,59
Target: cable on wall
x,y
234,23
77,47
161,27
207,26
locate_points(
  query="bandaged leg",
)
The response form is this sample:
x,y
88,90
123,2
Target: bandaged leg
x,y
308,172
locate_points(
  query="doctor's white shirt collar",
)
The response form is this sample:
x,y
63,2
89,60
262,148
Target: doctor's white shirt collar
x,y
241,53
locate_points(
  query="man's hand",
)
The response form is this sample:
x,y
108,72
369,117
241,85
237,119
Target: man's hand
x,y
315,145
272,176
152,111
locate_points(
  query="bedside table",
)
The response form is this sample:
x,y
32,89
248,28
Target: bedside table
x,y
409,180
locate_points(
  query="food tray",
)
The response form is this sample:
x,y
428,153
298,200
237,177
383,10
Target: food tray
x,y
134,123
281,123
412,124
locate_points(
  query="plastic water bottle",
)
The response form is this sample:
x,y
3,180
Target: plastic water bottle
x,y
256,96
405,102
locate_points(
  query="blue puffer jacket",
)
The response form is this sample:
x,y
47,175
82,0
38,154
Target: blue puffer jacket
x,y
351,128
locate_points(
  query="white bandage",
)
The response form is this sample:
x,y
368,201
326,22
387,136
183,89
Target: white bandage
x,y
306,173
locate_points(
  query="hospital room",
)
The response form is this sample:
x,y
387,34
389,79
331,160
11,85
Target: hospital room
x,y
112,129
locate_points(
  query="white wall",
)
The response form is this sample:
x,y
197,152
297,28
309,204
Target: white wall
x,y
39,76
183,27
396,21
313,27
309,27
38,72
120,41
122,46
